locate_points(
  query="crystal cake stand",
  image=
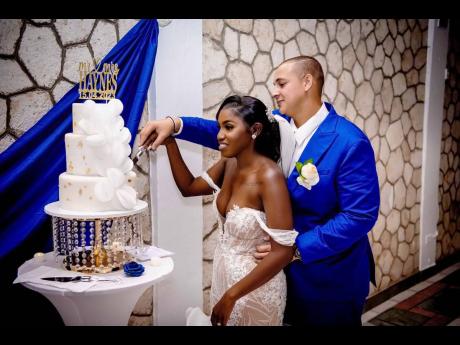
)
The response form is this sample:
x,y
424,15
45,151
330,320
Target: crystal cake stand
x,y
96,242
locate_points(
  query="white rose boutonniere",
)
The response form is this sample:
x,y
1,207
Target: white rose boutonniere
x,y
308,174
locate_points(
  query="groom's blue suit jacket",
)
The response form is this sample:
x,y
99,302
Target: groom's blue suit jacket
x,y
333,218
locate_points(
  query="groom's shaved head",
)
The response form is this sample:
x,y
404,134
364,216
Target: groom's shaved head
x,y
308,65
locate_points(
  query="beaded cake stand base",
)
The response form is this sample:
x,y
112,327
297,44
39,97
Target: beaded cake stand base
x,y
96,242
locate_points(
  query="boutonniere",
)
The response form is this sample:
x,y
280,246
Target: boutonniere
x,y
308,174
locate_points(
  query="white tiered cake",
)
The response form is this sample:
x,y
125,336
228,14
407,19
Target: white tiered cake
x,y
99,174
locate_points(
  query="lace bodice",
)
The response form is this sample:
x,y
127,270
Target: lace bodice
x,y
242,230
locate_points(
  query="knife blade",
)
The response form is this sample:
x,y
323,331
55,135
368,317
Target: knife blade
x,y
63,279
142,149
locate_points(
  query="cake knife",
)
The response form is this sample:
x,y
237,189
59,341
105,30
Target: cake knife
x,y
139,153
79,279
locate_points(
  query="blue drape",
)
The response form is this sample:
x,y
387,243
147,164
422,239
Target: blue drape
x,y
30,167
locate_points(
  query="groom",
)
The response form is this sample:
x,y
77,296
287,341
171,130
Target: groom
x,y
329,282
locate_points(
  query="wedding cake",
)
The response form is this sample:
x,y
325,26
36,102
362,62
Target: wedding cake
x,y
99,174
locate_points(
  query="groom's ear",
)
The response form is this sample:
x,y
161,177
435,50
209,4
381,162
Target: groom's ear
x,y
307,82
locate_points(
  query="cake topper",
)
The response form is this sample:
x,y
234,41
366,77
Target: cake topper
x,y
98,84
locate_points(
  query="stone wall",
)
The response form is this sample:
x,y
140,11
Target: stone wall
x,y
38,65
448,240
375,76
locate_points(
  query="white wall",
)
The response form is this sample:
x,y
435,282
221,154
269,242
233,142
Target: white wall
x,y
432,128
176,88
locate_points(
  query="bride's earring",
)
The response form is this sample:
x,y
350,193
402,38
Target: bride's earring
x,y
254,136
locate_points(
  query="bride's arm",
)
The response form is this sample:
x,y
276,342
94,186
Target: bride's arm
x,y
185,181
277,207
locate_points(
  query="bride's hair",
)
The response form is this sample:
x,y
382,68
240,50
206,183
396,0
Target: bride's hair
x,y
253,110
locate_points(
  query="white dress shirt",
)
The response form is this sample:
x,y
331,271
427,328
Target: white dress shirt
x,y
181,126
304,133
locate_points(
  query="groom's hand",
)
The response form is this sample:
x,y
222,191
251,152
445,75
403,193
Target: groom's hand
x,y
262,251
156,132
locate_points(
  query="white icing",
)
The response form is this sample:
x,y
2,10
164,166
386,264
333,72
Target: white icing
x,y
99,170
78,193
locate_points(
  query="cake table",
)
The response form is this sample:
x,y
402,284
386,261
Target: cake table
x,y
98,244
103,304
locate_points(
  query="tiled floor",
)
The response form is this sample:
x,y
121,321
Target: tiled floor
x,y
433,302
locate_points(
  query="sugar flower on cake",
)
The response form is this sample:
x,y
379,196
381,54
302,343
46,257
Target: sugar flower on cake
x,y
115,187
100,117
108,137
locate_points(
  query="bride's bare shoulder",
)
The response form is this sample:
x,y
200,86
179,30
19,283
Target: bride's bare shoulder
x,y
269,171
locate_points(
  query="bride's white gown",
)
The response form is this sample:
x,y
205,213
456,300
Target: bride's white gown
x,y
241,230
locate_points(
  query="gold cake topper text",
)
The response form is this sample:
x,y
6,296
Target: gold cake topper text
x,y
98,84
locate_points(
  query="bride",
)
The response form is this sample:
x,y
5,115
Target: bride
x,y
251,201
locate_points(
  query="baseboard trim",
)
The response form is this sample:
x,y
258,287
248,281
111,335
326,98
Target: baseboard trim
x,y
408,282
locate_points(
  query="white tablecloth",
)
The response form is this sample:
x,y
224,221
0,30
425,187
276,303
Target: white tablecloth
x,y
104,303
35,276
34,269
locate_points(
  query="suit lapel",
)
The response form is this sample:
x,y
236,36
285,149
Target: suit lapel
x,y
321,140
277,112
